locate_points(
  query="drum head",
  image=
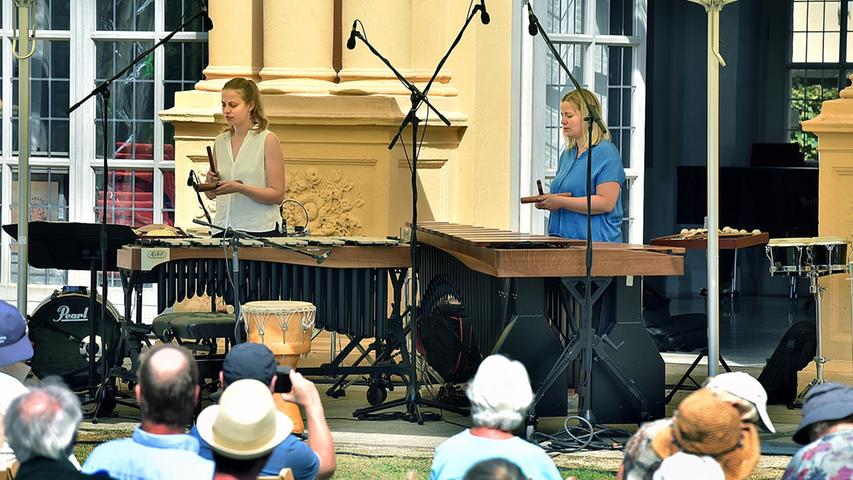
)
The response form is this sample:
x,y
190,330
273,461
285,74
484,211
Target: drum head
x,y
59,330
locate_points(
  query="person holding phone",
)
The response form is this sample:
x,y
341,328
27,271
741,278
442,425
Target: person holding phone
x,y
248,180
316,459
568,197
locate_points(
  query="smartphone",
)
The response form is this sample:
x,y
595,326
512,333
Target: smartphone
x,y
539,186
282,383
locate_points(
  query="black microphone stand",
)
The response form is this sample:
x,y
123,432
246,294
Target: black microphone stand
x,y
104,91
585,342
413,400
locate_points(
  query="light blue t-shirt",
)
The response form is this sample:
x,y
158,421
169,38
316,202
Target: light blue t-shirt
x,y
462,451
571,177
148,456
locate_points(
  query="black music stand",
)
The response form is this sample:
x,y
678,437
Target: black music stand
x,y
77,246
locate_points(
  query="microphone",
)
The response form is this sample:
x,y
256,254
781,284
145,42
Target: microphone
x,y
352,33
484,15
531,21
206,21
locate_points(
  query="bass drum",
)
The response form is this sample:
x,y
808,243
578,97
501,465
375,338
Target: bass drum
x,y
59,330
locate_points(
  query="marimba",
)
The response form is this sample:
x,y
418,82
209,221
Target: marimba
x,y
356,290
523,293
349,289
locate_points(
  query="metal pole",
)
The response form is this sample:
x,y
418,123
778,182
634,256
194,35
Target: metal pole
x,y
715,60
713,252
23,54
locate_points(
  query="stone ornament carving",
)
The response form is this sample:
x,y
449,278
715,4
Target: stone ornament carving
x,y
330,200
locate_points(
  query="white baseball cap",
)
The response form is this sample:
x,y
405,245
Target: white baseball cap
x,y
742,385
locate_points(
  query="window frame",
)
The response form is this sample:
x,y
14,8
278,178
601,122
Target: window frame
x,y
533,134
82,163
842,68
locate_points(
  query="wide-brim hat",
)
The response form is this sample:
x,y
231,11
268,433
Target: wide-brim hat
x,y
706,425
825,402
743,385
245,424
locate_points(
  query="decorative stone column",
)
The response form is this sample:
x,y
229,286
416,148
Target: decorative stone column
x,y
834,128
301,34
388,26
236,43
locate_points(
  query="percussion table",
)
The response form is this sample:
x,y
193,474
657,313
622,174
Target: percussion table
x,y
727,242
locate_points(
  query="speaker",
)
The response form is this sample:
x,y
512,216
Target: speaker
x,y
625,342
531,340
633,352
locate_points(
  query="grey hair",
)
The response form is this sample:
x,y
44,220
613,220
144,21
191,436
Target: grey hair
x,y
43,423
499,393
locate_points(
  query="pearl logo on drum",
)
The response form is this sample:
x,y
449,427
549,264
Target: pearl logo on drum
x,y
64,315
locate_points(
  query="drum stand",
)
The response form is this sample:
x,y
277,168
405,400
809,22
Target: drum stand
x,y
819,359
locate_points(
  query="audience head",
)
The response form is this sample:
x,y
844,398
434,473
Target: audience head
x,y
242,438
249,360
43,422
494,469
683,465
499,393
15,345
704,425
827,405
168,386
746,393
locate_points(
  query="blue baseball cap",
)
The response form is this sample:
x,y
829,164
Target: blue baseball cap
x,y
249,360
15,346
825,402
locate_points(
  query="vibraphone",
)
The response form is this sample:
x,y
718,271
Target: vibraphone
x,y
350,289
523,292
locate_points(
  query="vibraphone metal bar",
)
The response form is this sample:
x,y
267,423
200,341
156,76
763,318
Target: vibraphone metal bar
x,y
350,289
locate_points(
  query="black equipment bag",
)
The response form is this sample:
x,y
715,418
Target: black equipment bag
x,y
795,351
672,333
446,338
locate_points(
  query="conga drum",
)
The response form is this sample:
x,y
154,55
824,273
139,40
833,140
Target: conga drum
x,y
286,328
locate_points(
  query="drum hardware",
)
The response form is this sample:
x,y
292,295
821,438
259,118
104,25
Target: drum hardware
x,y
811,258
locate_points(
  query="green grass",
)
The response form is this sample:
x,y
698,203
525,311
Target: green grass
x,y
350,466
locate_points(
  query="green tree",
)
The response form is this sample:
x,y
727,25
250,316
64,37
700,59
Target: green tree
x,y
806,101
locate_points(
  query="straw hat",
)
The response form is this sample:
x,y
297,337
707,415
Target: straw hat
x,y
245,424
706,425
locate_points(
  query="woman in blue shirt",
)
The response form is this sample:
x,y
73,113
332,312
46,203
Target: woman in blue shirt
x,y
567,200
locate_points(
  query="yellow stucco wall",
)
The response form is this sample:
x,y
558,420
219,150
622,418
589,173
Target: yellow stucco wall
x,y
834,128
335,133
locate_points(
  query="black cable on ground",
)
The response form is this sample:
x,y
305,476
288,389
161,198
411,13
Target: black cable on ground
x,y
583,436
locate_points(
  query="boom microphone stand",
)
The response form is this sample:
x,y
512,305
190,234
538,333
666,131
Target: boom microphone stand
x,y
586,342
413,400
104,91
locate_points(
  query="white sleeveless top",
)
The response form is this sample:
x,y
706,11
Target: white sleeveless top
x,y
236,210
